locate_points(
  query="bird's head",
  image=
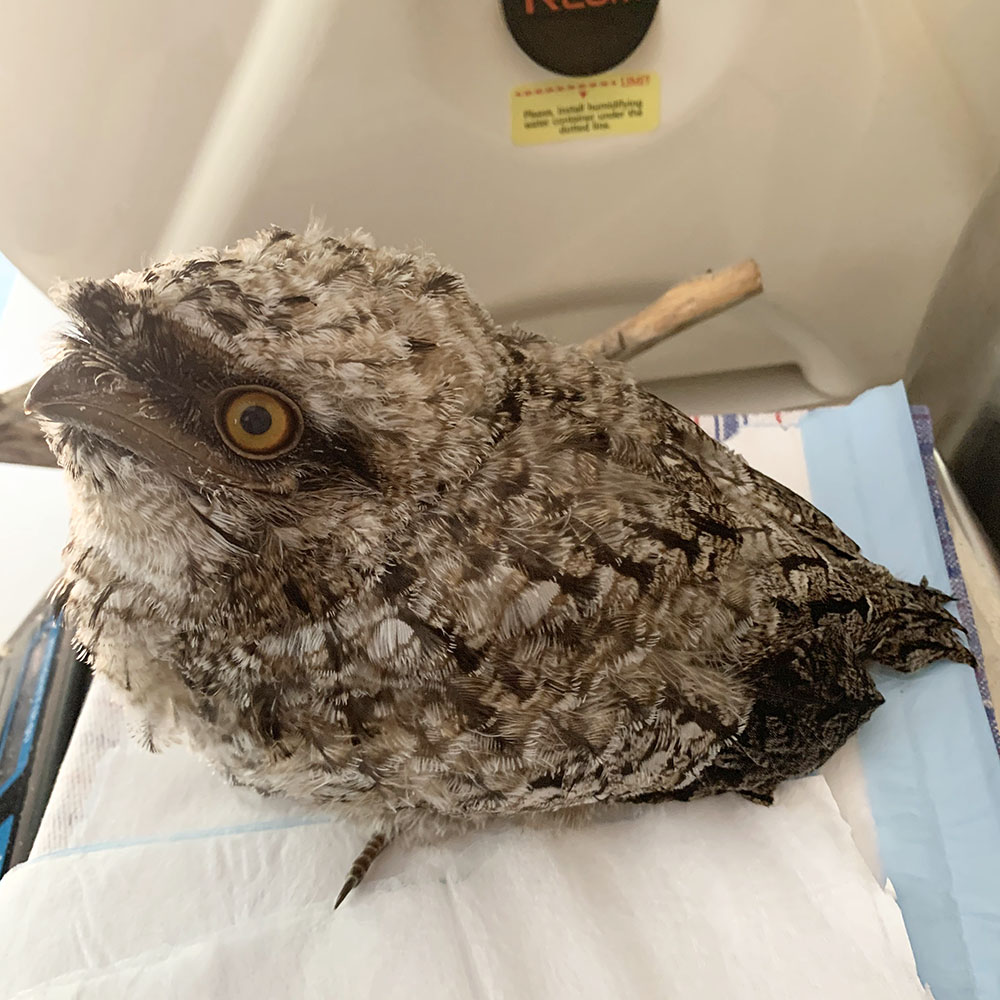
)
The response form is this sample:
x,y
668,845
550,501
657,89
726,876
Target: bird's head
x,y
306,389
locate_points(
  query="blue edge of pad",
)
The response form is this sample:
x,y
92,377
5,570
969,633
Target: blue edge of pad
x,y
929,754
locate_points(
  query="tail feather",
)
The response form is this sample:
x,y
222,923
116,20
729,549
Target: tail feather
x,y
813,689
912,629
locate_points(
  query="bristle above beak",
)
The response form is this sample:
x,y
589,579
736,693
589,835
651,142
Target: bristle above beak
x,y
118,410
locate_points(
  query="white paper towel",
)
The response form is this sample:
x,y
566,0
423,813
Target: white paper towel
x,y
720,898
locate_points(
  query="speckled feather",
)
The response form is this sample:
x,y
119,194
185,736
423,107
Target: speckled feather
x,y
493,577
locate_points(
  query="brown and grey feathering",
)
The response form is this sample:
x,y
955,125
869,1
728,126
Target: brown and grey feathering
x,y
493,577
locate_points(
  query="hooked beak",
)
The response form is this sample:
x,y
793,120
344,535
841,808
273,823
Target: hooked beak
x,y
72,393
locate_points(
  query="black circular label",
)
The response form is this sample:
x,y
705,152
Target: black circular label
x,y
578,37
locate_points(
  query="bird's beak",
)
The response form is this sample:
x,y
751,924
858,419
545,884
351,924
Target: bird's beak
x,y
71,392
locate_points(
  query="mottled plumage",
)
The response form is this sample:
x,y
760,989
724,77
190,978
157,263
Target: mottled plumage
x,y
488,577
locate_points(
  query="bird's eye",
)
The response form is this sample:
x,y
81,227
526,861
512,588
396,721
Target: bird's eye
x,y
258,422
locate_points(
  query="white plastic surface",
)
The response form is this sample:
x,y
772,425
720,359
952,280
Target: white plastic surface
x,y
842,144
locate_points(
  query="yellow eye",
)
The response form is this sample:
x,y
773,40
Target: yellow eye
x,y
258,422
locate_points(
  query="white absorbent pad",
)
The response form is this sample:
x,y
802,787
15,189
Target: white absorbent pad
x,y
717,898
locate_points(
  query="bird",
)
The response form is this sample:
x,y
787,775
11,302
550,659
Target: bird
x,y
355,543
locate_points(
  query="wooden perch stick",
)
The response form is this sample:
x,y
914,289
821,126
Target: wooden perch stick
x,y
680,307
21,440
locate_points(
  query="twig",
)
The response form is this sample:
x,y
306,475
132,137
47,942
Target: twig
x,y
21,440
683,305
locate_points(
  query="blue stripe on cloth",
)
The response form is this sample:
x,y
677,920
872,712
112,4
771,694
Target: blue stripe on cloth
x,y
730,425
928,753
49,634
240,829
925,438
5,827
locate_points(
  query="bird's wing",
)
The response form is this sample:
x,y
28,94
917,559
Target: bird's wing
x,y
563,628
745,486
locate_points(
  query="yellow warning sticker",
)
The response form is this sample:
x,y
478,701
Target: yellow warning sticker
x,y
554,111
